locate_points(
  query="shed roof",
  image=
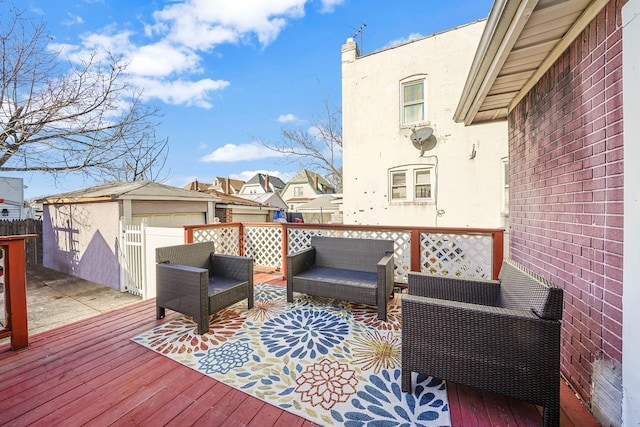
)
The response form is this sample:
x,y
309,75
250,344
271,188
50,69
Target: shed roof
x,y
137,190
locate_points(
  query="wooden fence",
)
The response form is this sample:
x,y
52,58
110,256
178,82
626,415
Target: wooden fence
x,y
26,226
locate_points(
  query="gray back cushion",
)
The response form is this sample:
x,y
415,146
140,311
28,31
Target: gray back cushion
x,y
350,254
194,255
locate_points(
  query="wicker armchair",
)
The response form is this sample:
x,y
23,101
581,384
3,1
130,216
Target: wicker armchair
x,y
501,336
192,280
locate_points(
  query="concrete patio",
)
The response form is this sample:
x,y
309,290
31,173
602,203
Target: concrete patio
x,y
56,299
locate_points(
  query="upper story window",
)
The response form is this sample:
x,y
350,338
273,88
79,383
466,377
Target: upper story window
x,y
298,191
413,102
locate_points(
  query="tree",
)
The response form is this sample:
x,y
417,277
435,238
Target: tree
x,y
318,148
61,117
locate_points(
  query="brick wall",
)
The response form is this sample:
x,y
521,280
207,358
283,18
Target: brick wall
x,y
566,209
223,214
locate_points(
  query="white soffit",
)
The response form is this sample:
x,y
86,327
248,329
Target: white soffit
x,y
521,40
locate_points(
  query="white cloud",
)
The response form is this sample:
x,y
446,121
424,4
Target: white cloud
x,y
397,42
237,153
328,6
181,92
205,23
163,59
287,118
169,50
73,20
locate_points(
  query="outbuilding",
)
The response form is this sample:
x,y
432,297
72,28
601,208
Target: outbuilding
x,y
82,229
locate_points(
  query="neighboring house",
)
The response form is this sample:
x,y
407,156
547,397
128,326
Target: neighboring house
x,y
324,209
556,71
262,183
304,187
232,208
227,186
12,205
81,229
405,161
268,199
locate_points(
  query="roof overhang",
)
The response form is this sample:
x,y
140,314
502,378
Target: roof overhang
x,y
520,42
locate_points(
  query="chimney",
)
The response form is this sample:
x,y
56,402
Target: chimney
x,y
315,181
197,186
266,182
228,186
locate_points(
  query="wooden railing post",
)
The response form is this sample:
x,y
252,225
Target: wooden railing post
x,y
188,234
241,239
285,249
15,276
498,252
415,250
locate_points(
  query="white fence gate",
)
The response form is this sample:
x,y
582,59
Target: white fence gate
x,y
137,249
132,267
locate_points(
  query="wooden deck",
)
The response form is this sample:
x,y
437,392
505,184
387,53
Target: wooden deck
x,y
90,372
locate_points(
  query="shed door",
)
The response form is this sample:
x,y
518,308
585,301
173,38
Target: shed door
x,y
247,217
171,220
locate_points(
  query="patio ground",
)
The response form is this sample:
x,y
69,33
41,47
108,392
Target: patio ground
x,y
55,299
68,372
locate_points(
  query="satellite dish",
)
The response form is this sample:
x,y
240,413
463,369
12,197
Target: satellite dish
x,y
423,139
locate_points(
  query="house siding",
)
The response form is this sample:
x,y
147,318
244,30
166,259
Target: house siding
x,y
566,193
466,163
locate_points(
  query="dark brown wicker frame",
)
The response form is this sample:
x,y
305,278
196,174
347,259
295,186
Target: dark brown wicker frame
x,y
193,280
356,270
486,334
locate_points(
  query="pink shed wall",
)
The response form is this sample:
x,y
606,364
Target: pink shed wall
x,y
81,240
566,166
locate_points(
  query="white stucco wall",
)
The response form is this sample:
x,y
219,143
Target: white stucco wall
x,y
469,191
81,240
631,268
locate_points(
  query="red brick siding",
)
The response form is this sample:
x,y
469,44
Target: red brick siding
x,y
223,214
566,211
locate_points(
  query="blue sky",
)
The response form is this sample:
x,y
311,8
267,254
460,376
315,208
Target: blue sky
x,y
226,73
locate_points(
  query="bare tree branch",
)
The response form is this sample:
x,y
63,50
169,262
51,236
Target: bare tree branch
x,y
61,117
318,148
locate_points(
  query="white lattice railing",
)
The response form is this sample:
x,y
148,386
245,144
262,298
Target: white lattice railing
x,y
264,244
226,237
469,253
466,256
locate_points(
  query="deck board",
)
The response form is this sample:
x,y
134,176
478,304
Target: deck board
x,y
91,372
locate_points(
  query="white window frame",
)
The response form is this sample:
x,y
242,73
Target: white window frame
x,y
504,163
298,189
411,103
392,186
416,172
411,173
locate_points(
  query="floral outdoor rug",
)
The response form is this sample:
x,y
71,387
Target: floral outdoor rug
x,y
331,362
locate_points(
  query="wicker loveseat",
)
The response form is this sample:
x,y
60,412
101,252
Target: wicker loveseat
x,y
193,280
502,336
356,270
